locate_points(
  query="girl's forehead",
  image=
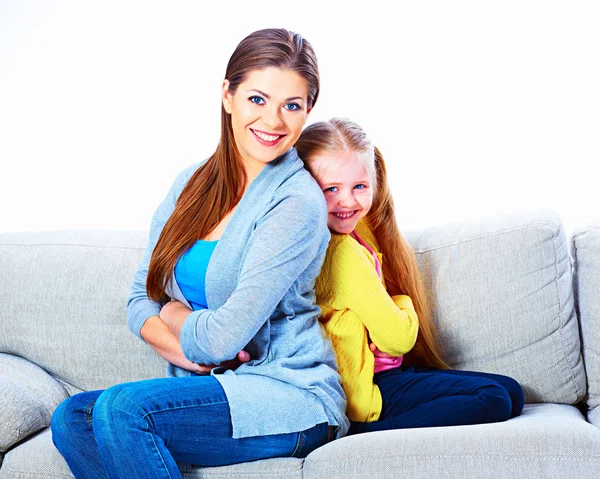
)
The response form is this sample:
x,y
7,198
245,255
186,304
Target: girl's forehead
x,y
339,165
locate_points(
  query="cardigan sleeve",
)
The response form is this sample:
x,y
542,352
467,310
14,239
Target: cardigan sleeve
x,y
392,322
286,240
139,306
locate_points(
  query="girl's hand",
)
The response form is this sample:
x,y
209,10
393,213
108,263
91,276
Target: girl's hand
x,y
377,353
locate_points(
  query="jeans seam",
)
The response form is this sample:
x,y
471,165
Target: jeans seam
x,y
183,407
88,410
299,443
161,456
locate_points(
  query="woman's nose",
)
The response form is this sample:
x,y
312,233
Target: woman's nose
x,y
272,118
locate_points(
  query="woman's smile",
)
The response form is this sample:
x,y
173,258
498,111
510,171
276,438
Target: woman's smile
x,y
267,139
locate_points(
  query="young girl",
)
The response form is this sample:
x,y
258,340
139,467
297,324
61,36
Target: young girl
x,y
373,304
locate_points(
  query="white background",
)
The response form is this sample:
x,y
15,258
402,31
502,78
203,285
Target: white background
x,y
480,107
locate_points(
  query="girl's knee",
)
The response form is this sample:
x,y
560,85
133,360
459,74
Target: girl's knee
x,y
498,401
517,396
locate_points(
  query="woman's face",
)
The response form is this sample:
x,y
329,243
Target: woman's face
x,y
268,111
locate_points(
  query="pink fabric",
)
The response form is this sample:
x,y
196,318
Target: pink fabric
x,y
354,234
381,364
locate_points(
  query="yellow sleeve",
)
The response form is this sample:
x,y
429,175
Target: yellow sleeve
x,y
391,321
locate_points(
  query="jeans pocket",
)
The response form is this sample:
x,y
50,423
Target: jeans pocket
x,y
310,439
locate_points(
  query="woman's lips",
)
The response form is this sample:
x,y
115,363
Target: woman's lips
x,y
266,139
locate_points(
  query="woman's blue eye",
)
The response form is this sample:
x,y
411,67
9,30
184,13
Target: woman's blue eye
x,y
256,100
292,106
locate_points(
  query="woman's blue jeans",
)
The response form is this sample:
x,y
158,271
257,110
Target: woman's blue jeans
x,y
418,396
141,429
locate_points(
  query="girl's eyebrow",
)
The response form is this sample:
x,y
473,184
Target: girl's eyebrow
x,y
268,97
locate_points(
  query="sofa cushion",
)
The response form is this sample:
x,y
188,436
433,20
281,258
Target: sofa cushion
x,y
585,247
28,397
547,440
38,457
64,305
502,300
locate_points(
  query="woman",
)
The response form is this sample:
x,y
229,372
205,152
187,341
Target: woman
x,y
237,245
374,306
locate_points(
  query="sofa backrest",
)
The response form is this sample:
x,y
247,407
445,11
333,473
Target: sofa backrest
x,y
63,296
500,289
502,300
585,247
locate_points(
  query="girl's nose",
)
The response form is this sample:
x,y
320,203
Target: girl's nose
x,y
346,200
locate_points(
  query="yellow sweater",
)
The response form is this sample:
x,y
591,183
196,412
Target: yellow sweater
x,y
355,306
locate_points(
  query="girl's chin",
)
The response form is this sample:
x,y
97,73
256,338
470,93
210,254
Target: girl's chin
x,y
342,230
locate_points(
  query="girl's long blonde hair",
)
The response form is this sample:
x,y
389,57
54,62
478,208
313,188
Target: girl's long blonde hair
x,y
402,275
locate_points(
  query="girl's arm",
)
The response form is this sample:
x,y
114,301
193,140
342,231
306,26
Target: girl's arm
x,y
392,322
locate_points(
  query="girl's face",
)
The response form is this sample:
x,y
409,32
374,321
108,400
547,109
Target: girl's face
x,y
268,111
345,183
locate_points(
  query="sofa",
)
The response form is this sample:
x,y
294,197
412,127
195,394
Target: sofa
x,y
510,295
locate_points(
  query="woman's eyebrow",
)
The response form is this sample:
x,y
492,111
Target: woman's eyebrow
x,y
268,97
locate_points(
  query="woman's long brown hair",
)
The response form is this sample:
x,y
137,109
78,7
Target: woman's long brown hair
x,y
218,185
400,269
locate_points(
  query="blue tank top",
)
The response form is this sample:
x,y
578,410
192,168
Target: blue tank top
x,y
190,272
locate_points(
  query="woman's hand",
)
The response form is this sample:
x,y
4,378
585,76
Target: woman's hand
x,y
242,357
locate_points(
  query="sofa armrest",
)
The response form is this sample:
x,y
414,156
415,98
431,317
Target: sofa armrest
x,y
585,250
28,397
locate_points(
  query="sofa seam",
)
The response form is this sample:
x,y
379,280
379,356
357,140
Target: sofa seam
x,y
545,225
21,473
561,457
561,311
583,230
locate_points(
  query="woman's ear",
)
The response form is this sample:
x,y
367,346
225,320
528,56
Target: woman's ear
x,y
226,96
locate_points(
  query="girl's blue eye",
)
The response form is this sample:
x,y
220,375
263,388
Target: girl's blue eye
x,y
292,106
256,100
331,189
360,187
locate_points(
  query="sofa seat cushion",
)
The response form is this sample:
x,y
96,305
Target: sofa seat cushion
x,y
28,396
502,300
38,458
585,249
547,440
